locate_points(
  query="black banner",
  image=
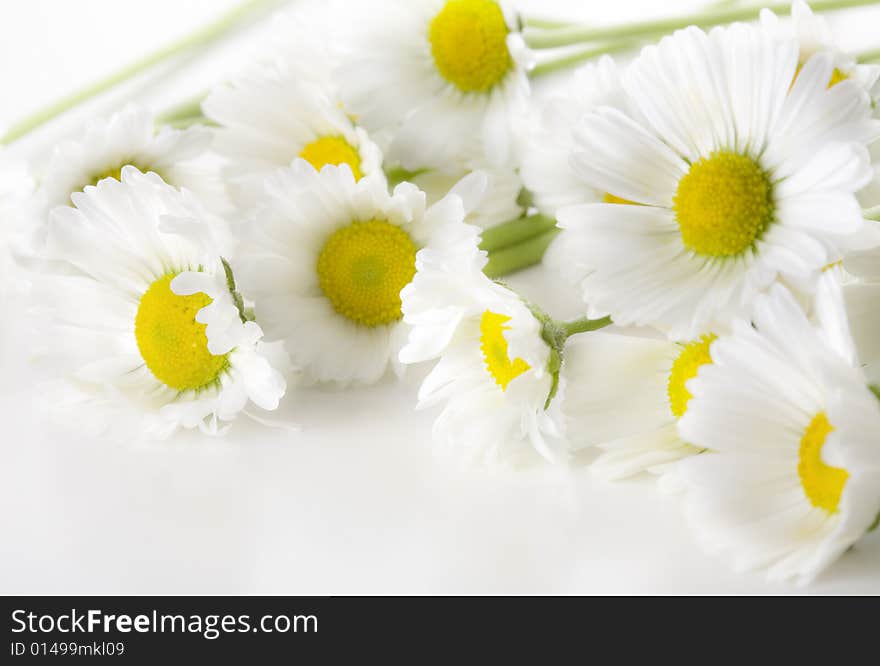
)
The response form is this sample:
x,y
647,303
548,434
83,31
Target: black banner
x,y
328,630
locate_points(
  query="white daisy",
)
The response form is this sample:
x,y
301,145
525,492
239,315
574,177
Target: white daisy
x,y
128,137
271,115
793,479
146,324
493,375
626,395
326,258
501,202
308,37
813,35
862,297
16,211
738,176
547,170
443,76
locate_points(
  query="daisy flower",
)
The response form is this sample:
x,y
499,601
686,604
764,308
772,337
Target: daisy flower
x,y
128,137
442,76
493,376
547,170
735,176
16,194
271,115
501,202
813,36
862,298
793,479
326,258
147,325
626,395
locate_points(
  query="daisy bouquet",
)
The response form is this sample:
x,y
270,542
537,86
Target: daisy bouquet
x,y
349,205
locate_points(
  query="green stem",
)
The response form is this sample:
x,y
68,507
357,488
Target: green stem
x,y
578,57
184,122
189,108
515,231
397,175
542,23
507,260
577,34
872,213
875,389
584,325
556,334
868,56
201,37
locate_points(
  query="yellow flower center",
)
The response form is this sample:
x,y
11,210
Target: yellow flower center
x,y
613,199
332,150
496,354
823,484
469,44
723,204
111,172
363,267
172,343
836,76
692,357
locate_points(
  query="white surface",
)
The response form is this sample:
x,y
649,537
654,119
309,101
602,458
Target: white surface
x,y
354,503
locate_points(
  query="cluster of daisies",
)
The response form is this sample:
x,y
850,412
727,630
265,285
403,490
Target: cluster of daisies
x,y
330,216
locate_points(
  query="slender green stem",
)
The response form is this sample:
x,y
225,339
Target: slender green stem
x,y
875,389
584,325
507,260
183,123
583,55
578,34
397,175
542,23
515,231
189,108
201,37
872,213
869,56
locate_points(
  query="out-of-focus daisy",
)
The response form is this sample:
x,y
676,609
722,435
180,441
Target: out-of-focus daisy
x,y
442,76
493,376
814,36
128,137
793,476
308,37
271,115
16,211
862,297
734,179
325,261
547,169
626,395
501,202
146,326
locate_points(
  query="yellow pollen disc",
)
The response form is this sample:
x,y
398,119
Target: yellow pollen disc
x,y
823,484
333,150
171,342
723,204
496,354
469,44
363,267
693,356
612,199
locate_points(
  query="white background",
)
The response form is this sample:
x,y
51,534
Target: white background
x,y
354,503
